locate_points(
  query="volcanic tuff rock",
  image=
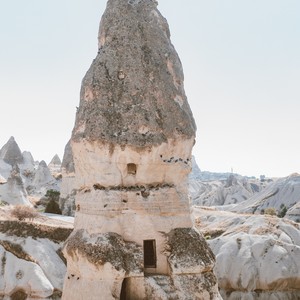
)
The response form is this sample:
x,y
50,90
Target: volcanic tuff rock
x,y
55,165
13,191
11,152
227,192
24,177
257,256
133,93
68,190
283,192
31,263
131,144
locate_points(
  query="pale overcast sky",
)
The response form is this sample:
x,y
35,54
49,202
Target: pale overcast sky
x,y
241,60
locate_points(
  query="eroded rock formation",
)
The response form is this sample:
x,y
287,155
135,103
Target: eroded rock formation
x,y
131,144
68,190
257,256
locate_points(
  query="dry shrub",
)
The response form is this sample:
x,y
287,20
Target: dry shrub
x,y
270,211
22,212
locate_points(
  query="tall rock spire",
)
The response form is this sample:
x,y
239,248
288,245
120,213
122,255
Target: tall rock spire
x,y
11,152
131,145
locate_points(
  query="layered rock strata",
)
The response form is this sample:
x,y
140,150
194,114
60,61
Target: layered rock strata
x,y
132,142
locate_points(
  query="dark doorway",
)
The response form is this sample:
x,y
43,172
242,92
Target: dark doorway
x,y
149,254
123,290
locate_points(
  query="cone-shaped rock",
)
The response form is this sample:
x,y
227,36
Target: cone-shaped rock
x,y
131,145
11,152
68,186
42,176
68,160
13,191
55,160
133,92
55,165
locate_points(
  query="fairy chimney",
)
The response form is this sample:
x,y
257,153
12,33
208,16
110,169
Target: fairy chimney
x,y
131,145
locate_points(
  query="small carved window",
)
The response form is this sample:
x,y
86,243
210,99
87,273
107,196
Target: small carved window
x,y
149,254
131,169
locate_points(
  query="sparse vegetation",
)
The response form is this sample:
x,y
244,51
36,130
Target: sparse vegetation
x,y
270,211
53,206
22,212
3,263
25,229
18,295
17,250
52,195
283,210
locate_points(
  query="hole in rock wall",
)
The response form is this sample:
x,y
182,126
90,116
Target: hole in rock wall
x,y
124,293
149,254
131,169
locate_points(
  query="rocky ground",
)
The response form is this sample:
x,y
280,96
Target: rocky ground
x,y
32,264
257,256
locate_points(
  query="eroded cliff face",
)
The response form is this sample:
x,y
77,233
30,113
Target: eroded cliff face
x,y
131,145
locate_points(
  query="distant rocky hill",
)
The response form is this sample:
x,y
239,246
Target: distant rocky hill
x,y
218,189
23,180
284,193
233,192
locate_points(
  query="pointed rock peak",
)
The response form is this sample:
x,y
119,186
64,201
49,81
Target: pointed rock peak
x,y
43,164
55,160
11,152
27,156
133,93
68,160
294,175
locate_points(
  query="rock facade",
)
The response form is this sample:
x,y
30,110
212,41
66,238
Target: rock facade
x,y
131,145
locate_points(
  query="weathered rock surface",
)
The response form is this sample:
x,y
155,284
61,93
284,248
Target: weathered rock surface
x,y
23,178
43,180
284,191
13,190
31,260
55,165
294,212
68,190
232,190
257,256
131,145
11,153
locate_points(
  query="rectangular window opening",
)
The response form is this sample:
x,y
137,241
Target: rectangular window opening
x,y
149,254
131,169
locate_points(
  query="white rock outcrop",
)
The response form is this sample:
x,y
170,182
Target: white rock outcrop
x,y
284,192
13,191
232,190
31,265
257,256
55,165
